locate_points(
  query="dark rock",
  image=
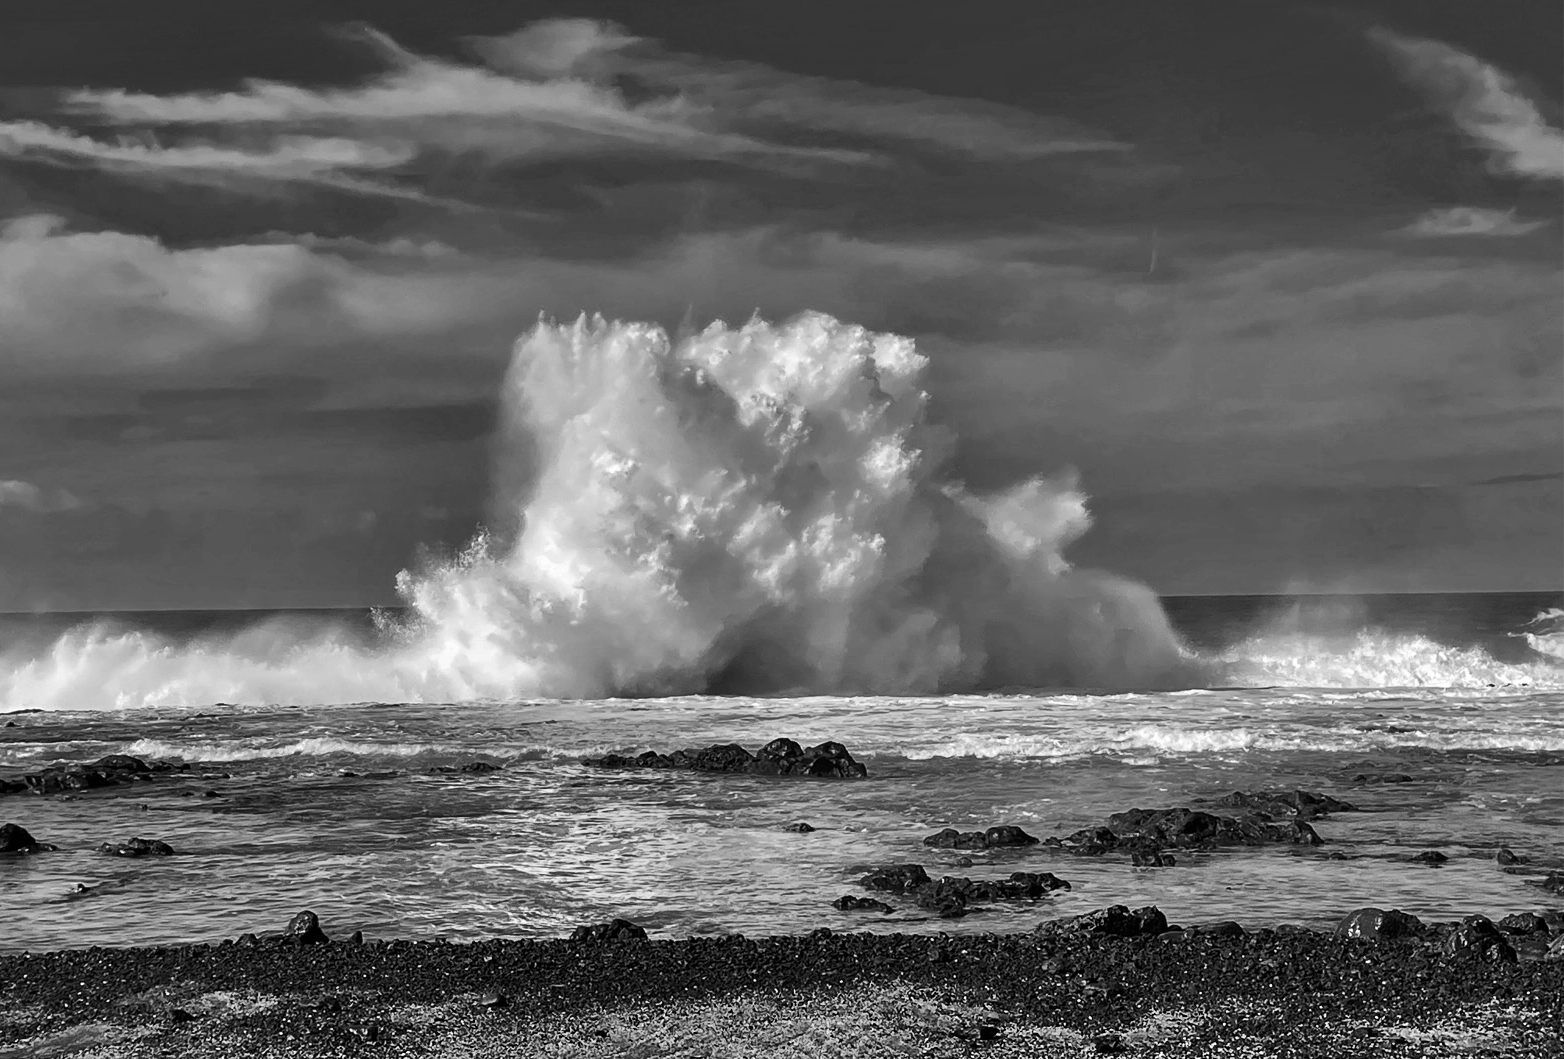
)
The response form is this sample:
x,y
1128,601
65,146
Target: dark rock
x,y
1182,827
1430,856
1555,949
1153,859
14,838
1116,921
493,1000
179,1015
248,941
1109,1044
963,862
896,878
1475,937
1524,923
470,766
1374,924
799,828
988,1032
993,837
1553,884
1305,805
780,757
616,930
1508,856
819,933
356,938
1226,928
849,903
137,847
111,771
329,1005
1381,777
304,929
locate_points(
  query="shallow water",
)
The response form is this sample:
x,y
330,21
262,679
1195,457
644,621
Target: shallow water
x,y
548,843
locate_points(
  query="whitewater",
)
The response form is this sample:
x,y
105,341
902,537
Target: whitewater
x,y
762,510
728,536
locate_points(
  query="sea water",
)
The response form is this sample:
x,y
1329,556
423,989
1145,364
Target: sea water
x,y
729,536
334,807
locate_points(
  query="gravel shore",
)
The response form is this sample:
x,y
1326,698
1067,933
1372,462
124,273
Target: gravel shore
x,y
1262,993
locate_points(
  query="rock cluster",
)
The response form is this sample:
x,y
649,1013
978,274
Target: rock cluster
x,y
112,771
614,930
950,896
999,835
1267,817
780,757
137,847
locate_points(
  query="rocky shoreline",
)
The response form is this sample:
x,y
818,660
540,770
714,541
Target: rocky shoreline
x,y
1114,981
1109,982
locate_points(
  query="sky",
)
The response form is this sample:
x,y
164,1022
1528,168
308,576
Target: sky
x,y
1281,281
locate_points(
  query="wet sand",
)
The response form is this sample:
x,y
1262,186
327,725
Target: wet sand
x,y
1267,993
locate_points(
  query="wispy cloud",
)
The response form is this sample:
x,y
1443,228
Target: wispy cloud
x,y
554,89
16,495
288,156
1456,221
759,97
1484,101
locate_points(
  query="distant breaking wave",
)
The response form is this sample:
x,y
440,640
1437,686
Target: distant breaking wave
x,y
750,510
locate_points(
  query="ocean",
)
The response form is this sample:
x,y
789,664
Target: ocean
x,y
732,536
333,806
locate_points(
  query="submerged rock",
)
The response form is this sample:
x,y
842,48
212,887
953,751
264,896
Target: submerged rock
x,y
993,837
780,757
849,903
615,930
798,828
1430,856
1271,817
1305,805
137,847
111,771
1507,856
1374,924
14,838
470,766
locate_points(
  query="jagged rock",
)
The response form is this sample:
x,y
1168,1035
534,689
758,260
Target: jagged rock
x,y
999,835
780,757
1374,924
950,895
1151,830
14,838
1477,937
1115,921
304,929
849,903
1524,923
111,771
896,878
1305,805
616,930
137,847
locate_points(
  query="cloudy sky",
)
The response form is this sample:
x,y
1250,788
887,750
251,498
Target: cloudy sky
x,y
1281,280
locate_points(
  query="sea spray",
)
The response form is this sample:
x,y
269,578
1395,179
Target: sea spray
x,y
761,509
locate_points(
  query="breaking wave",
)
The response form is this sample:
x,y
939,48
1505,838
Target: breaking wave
x,y
760,509
757,509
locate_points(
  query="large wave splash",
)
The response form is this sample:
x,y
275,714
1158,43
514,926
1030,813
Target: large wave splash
x,y
759,509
